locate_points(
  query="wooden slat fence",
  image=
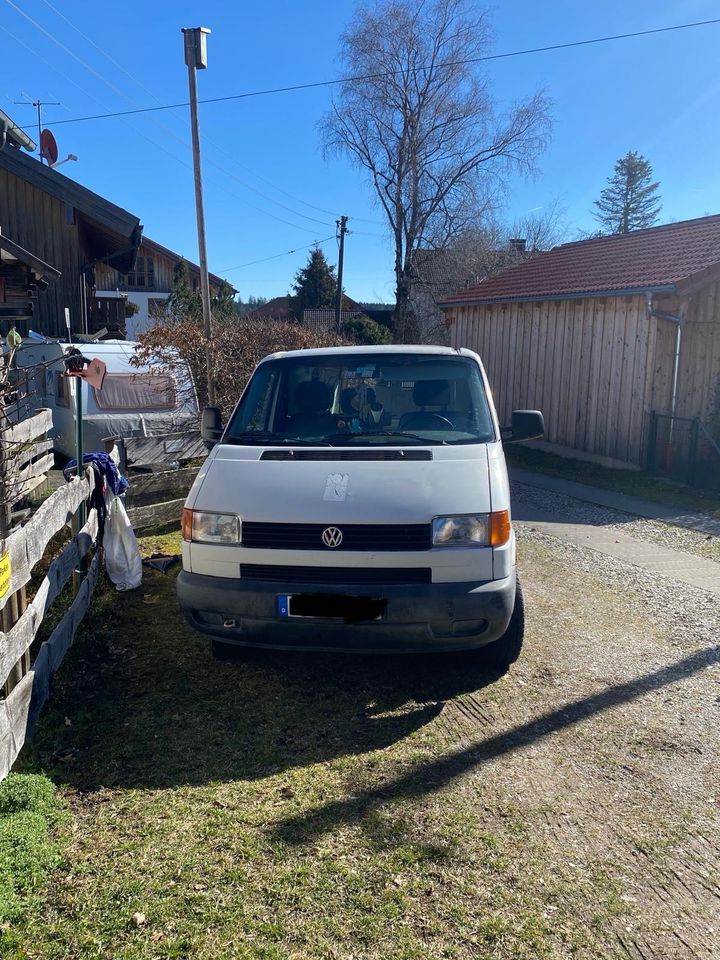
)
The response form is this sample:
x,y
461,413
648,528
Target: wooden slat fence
x,y
27,455
161,449
167,489
156,499
26,687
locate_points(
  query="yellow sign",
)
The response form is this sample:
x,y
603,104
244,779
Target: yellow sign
x,y
5,574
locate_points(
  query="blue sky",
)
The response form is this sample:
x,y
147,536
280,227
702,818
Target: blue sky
x,y
268,188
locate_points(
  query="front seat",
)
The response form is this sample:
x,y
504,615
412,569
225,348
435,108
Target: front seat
x,y
312,400
427,393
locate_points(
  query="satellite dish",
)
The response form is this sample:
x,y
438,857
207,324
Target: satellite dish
x,y
48,147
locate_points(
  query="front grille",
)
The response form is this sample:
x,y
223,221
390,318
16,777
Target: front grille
x,y
356,455
378,537
272,573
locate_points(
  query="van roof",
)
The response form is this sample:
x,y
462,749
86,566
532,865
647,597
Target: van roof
x,y
393,348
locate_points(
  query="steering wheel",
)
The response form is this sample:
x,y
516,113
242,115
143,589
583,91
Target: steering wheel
x,y
425,420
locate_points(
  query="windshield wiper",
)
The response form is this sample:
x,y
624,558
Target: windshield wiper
x,y
335,438
271,439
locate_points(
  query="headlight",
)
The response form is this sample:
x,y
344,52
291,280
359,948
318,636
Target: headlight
x,y
478,530
204,527
461,531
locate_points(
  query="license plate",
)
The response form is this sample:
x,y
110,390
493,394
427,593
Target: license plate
x,y
329,607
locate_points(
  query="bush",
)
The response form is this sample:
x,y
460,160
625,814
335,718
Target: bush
x,y
29,809
365,330
237,345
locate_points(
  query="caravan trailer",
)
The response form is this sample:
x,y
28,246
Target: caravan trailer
x,y
134,401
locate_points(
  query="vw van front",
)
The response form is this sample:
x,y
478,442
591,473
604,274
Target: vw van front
x,y
357,500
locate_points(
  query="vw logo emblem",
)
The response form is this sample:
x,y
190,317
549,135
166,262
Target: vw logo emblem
x,y
332,537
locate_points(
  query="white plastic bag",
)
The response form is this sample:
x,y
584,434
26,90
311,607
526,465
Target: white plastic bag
x,y
122,555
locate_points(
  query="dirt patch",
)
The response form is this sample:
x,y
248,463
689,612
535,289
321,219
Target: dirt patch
x,y
288,807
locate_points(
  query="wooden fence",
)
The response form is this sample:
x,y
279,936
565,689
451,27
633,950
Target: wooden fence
x,y
156,499
26,686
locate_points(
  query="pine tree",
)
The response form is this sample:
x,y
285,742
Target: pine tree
x,y
630,201
315,284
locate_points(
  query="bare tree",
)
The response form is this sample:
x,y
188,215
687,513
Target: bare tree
x,y
415,113
543,228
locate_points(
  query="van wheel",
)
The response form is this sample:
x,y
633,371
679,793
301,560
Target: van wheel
x,y
227,652
504,651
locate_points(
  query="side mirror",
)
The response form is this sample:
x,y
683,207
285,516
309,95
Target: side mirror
x,y
526,425
211,426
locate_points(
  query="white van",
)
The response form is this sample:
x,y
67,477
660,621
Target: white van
x,y
134,401
357,500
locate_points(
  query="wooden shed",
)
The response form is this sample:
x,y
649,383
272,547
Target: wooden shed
x,y
602,334
68,226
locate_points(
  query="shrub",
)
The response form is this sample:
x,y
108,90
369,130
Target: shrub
x,y
237,345
365,330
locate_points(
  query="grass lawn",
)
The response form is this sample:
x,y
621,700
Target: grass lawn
x,y
291,807
632,482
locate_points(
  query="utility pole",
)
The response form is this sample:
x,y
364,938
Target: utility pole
x,y
39,104
195,43
342,230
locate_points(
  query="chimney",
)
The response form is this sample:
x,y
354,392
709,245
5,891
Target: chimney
x,y
518,244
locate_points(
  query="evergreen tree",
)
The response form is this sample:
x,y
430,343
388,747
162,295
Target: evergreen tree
x,y
243,307
183,300
315,284
630,201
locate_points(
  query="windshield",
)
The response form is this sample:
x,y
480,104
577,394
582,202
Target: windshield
x,y
350,398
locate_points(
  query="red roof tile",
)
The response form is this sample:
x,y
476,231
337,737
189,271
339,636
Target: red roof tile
x,y
652,259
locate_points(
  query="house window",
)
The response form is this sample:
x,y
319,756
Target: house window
x,y
143,274
136,391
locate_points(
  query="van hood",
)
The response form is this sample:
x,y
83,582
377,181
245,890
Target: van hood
x,y
237,480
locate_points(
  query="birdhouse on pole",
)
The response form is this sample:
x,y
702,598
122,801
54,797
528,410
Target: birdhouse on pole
x,y
196,46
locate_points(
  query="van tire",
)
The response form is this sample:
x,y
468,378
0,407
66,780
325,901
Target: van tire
x,y
503,652
227,652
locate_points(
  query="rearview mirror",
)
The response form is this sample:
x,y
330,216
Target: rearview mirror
x,y
526,425
211,426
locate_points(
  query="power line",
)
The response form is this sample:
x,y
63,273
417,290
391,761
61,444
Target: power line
x,y
143,87
388,73
121,93
160,146
276,256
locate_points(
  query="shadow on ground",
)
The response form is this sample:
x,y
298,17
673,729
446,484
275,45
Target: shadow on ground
x,y
141,702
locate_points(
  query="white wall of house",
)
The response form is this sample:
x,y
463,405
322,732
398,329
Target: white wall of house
x,y
141,321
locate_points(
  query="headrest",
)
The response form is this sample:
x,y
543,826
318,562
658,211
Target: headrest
x,y
346,398
431,393
313,396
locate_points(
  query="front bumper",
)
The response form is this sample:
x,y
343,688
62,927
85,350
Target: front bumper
x,y
416,618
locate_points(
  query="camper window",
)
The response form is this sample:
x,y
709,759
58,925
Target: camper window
x,y
136,391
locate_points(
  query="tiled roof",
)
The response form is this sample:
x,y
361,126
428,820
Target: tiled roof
x,y
654,259
279,308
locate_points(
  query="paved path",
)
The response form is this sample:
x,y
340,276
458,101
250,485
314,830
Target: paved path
x,y
669,562
619,501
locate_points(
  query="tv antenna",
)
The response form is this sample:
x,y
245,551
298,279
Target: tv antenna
x,y
38,104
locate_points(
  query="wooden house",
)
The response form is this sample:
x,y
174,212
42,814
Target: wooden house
x,y
24,279
148,283
68,227
605,336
